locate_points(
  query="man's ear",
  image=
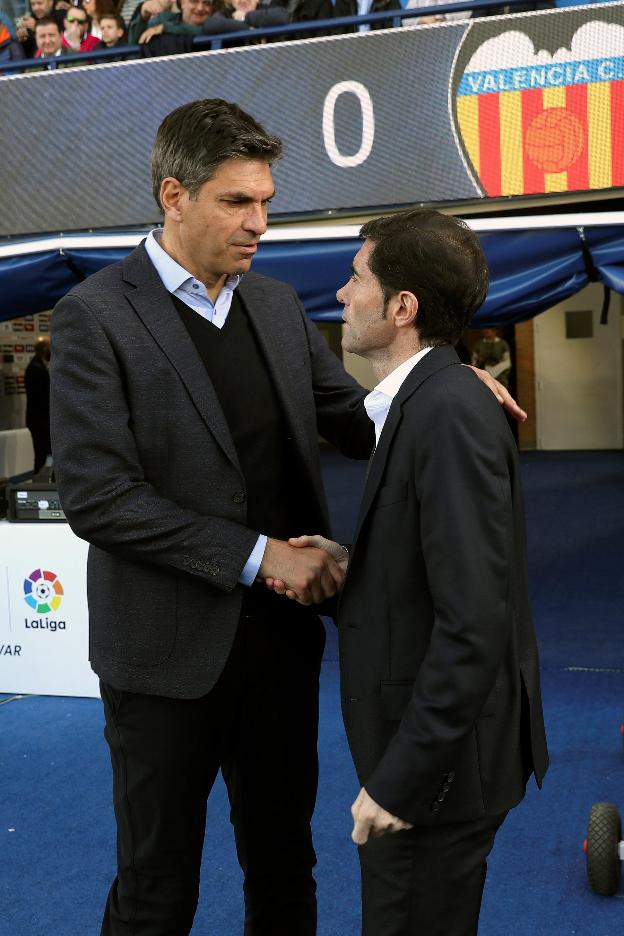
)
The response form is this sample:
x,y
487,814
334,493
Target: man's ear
x,y
405,310
173,197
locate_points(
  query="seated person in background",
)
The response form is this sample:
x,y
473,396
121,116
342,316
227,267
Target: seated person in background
x,y
49,39
77,37
113,30
305,11
96,9
145,25
361,8
433,17
25,25
10,48
492,354
236,15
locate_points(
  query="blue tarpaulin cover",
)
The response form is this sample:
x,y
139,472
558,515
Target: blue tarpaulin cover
x,y
530,271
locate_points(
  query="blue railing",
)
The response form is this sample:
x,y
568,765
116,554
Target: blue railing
x,y
337,24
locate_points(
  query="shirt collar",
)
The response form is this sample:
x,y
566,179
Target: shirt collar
x,y
391,384
378,402
171,273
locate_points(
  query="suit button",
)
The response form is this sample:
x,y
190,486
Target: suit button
x,y
239,497
441,797
445,787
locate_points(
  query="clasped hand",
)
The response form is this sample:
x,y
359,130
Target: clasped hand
x,y
307,569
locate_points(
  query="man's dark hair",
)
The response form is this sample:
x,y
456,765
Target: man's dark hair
x,y
436,257
193,141
48,21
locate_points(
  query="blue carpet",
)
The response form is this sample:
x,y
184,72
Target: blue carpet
x,y
56,824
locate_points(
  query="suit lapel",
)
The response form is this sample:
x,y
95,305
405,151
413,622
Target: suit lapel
x,y
154,306
432,362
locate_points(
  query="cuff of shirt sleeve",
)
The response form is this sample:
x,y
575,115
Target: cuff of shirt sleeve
x,y
250,571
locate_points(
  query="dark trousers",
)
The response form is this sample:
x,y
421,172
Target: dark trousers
x,y
426,881
259,725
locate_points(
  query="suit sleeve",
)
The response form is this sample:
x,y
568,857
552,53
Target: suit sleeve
x,y
463,489
104,493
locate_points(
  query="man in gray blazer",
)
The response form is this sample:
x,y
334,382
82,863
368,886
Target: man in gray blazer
x,y
186,406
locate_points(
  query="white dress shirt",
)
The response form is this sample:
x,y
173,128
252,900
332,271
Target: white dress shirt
x,y
182,284
380,399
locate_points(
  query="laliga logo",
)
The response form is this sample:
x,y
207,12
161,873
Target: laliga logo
x,y
42,591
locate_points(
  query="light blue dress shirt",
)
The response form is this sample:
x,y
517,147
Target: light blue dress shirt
x,y
182,284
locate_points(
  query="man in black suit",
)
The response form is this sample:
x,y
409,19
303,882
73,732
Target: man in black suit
x,y
37,387
439,667
187,399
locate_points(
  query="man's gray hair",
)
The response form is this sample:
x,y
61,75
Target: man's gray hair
x,y
193,141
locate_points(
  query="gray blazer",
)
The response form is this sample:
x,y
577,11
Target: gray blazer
x,y
148,473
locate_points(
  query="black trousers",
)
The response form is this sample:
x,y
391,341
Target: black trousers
x,y
259,725
426,881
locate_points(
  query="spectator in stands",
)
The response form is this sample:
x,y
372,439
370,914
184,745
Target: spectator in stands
x,y
77,37
144,25
237,15
362,7
26,24
49,39
10,48
523,8
433,17
305,11
96,9
37,374
113,30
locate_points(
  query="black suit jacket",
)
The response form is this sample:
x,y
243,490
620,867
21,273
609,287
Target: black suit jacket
x,y
439,666
148,473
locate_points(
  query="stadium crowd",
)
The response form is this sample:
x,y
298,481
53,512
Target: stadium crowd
x,y
50,29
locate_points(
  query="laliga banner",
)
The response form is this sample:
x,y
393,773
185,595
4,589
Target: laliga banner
x,y
43,624
511,105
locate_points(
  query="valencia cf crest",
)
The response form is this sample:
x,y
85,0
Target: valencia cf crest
x,y
538,102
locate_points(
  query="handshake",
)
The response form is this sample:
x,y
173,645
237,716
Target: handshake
x,y
307,569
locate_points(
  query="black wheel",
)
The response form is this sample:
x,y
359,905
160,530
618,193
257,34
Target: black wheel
x,y
603,839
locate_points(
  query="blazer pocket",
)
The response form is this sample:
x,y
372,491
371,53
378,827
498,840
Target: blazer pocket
x,y
394,697
391,494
